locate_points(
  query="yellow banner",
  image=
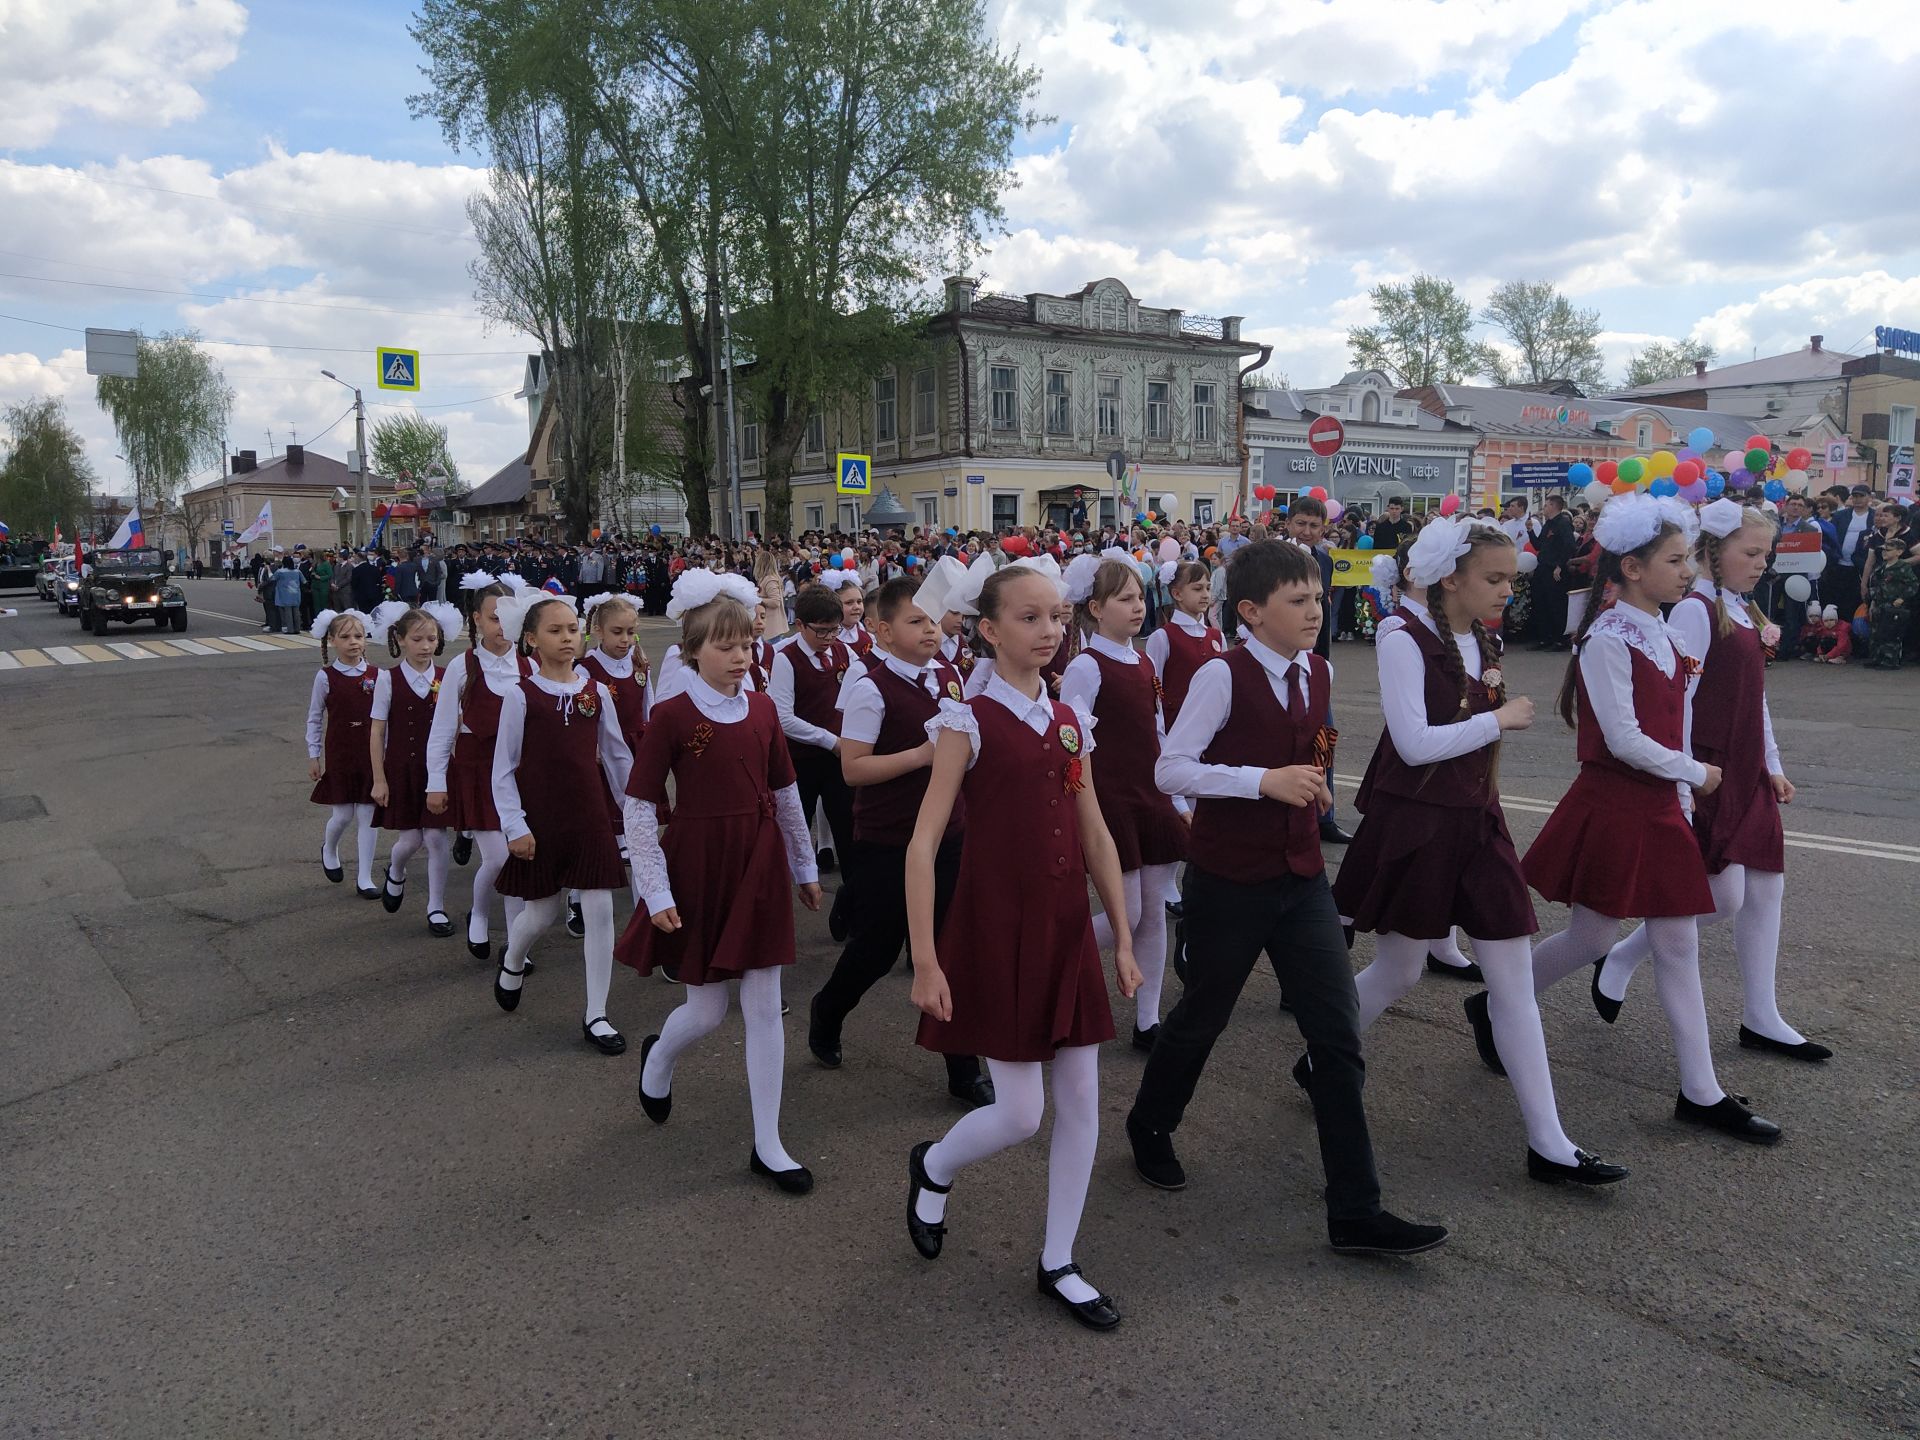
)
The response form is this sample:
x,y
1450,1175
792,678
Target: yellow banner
x,y
1353,567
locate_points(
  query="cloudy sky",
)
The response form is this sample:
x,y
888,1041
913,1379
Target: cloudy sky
x,y
1740,170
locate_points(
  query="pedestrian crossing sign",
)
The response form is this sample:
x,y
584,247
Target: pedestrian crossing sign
x,y
856,472
398,369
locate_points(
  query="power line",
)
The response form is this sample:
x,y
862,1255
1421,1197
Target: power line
x,y
444,405
274,345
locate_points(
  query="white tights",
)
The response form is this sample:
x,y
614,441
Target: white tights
x,y
1751,899
1398,961
492,846
699,1014
361,818
536,916
1675,943
1018,1107
1147,891
439,845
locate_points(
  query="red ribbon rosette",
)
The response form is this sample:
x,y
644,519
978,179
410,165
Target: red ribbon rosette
x,y
1324,741
701,738
1074,782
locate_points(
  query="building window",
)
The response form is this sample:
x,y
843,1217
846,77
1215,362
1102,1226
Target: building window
x,y
1006,512
753,522
816,517
885,421
929,508
1203,413
1900,424
1369,408
749,444
1108,419
1203,510
1159,410
1059,402
1643,437
849,520
817,434
923,402
1003,385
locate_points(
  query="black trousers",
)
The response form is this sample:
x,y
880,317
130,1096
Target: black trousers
x,y
879,918
820,779
1549,607
1840,588
1294,921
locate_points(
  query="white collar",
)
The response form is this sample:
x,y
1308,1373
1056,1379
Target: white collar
x,y
852,636
620,669
1125,654
499,664
359,669
420,680
915,673
711,703
1035,712
1192,624
1272,661
1736,604
1419,608
571,686
1652,624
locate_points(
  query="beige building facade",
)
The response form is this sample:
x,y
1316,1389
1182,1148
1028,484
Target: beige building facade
x,y
313,498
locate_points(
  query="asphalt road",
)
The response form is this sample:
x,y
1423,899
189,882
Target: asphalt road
x,y
272,1162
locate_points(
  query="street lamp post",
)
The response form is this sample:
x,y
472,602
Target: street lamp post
x,y
364,526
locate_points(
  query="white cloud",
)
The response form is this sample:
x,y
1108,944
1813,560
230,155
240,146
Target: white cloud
x,y
142,61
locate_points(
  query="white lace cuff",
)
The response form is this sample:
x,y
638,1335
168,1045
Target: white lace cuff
x,y
642,822
958,716
792,818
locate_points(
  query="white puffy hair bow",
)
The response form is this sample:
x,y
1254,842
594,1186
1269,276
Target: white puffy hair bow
x,y
477,580
1386,573
695,588
943,589
513,609
1628,522
322,621
1722,517
1436,551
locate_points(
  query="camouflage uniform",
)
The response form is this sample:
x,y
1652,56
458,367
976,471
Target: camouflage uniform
x,y
1890,611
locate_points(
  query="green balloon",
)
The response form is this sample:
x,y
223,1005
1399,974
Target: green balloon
x,y
1631,470
1759,461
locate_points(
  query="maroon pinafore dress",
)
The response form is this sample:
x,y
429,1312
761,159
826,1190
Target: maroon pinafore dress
x,y
346,753
1617,842
629,693
1186,653
559,764
1145,828
1739,824
1017,947
1056,667
409,721
726,859
1432,850
470,772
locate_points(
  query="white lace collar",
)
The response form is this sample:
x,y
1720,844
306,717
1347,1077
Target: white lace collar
x,y
1638,630
1125,654
571,686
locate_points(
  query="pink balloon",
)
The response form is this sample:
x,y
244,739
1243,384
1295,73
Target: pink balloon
x,y
1334,511
1449,504
1735,460
1694,492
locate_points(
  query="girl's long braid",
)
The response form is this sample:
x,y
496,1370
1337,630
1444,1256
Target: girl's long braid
x,y
1606,572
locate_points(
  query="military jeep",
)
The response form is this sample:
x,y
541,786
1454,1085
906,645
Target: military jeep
x,y
130,585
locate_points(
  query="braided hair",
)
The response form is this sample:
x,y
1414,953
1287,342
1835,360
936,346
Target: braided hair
x,y
401,628
1607,576
1706,555
1479,538
473,611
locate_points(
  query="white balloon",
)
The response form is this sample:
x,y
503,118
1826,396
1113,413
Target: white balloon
x,y
1798,589
1819,564
1597,493
1529,562
1797,482
1169,503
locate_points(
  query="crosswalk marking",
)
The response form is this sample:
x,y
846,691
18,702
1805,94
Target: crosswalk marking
x,y
66,655
31,659
7,662
224,645
96,652
177,646
253,642
172,648
131,650
288,642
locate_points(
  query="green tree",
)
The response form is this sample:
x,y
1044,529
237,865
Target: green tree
x,y
411,443
1420,334
1663,360
1554,341
171,418
45,478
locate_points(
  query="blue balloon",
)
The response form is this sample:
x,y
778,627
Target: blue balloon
x,y
1365,542
1580,475
835,561
1663,488
1716,485
1700,438
911,561
653,529
1775,491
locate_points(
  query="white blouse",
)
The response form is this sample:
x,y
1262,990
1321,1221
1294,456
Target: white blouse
x,y
615,759
501,674
1403,696
1158,645
1034,712
1607,670
418,681
1693,624
863,708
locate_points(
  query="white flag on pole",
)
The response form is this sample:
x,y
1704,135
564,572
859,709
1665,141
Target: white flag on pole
x,y
261,526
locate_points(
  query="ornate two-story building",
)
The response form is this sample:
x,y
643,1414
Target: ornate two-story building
x,y
1018,403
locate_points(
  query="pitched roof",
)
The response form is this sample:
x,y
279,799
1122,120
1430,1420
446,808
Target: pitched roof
x,y
1505,411
506,486
1807,364
314,471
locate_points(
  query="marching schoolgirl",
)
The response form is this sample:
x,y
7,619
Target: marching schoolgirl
x,y
673,669
1113,683
982,672
1738,825
1433,849
1618,844
1027,991
339,761
404,698
559,734
1179,648
460,749
809,670
714,900
959,586
853,610
618,663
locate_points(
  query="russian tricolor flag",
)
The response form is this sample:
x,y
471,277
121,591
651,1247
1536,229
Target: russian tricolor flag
x,y
131,533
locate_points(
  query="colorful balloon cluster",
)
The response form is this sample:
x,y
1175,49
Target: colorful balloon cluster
x,y
1688,474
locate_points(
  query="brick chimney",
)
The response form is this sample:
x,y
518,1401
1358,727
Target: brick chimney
x,y
296,456
960,291
245,462
1817,341
1699,368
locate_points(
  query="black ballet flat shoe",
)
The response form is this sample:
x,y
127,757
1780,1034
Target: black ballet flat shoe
x,y
927,1235
509,1000
442,926
1805,1050
1585,1170
390,898
655,1110
463,850
1096,1314
1346,934
1303,1074
1332,834
1731,1117
1383,1234
1468,971
335,873
824,861
975,1094
1143,1039
797,1181
479,949
368,892
825,1047
1177,909
1607,1007
1153,1157
576,923
839,925
614,1044
1476,1007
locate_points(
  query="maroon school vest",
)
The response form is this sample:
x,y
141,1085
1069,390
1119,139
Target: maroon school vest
x,y
1659,704
629,696
1729,703
409,719
1185,655
1124,711
885,814
1249,841
349,708
816,689
1466,781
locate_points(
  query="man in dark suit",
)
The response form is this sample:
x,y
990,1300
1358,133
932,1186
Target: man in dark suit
x,y
1847,556
1553,578
365,584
